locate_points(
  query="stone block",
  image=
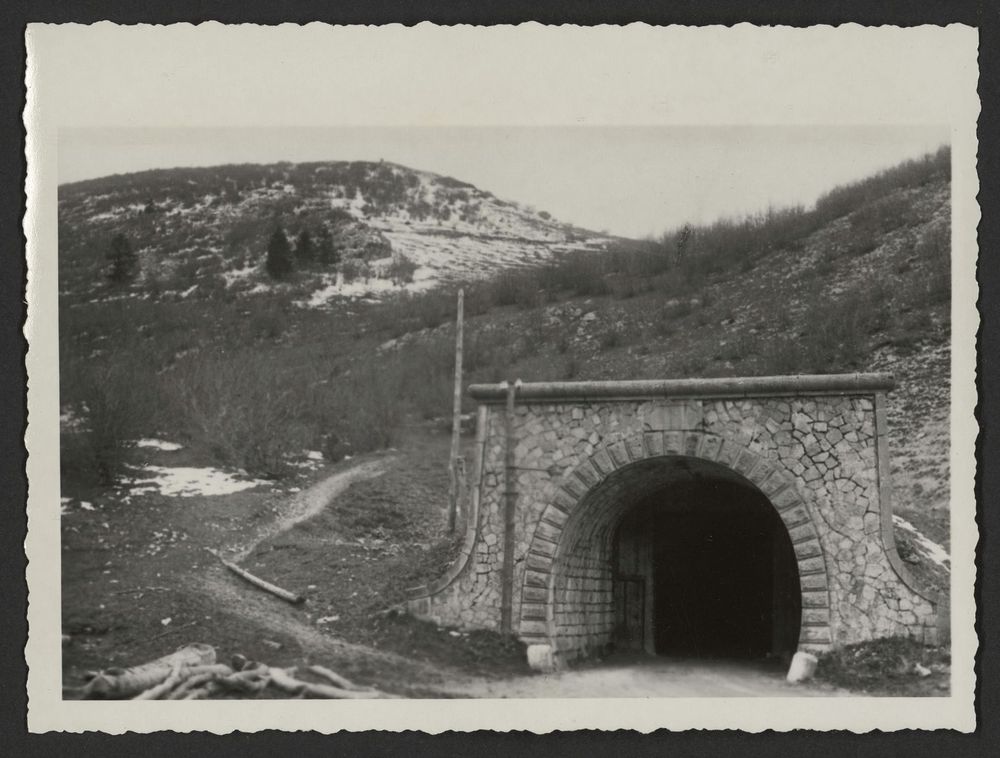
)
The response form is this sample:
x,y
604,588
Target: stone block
x,y
786,498
691,444
542,546
533,628
533,611
775,484
673,443
549,532
602,461
815,599
537,562
587,473
814,616
554,516
802,668
575,487
801,532
619,454
815,634
534,594
654,443
542,658
807,549
812,582
812,565
636,449
762,471
710,447
745,461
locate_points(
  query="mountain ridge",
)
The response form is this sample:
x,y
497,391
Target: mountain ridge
x,y
208,227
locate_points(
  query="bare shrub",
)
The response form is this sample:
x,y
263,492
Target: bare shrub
x,y
934,247
121,400
366,406
844,199
883,216
837,334
521,288
402,269
354,268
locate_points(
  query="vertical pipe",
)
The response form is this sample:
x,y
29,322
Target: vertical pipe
x,y
456,421
510,504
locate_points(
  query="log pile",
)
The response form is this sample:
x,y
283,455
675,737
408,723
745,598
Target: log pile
x,y
192,673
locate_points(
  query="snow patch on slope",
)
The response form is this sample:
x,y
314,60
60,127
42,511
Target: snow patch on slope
x,y
189,482
927,547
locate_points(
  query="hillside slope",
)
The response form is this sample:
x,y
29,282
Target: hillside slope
x,y
202,232
869,291
255,380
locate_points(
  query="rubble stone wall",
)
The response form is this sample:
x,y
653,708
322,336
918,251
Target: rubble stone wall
x,y
820,460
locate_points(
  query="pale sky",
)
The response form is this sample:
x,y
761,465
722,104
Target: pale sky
x,y
631,129
632,181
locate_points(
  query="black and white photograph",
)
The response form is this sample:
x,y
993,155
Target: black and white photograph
x,y
521,367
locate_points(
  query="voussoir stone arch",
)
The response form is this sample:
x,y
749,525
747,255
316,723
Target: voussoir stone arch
x,y
766,475
557,464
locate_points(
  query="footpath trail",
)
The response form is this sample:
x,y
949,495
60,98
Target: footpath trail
x,y
311,501
650,677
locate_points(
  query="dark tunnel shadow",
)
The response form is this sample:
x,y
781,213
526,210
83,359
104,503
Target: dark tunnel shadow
x,y
705,569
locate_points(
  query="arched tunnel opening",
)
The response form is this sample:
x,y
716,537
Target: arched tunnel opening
x,y
722,569
697,561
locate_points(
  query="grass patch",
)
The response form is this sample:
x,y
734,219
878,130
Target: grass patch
x,y
889,666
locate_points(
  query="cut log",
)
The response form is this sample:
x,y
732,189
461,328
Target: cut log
x,y
128,682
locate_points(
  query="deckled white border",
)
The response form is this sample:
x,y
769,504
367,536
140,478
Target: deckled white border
x,y
579,76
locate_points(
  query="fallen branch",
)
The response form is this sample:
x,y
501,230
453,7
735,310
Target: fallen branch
x,y
251,681
195,681
291,597
285,680
329,692
191,673
337,680
154,692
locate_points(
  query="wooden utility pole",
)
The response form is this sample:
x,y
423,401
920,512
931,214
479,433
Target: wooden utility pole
x,y
456,421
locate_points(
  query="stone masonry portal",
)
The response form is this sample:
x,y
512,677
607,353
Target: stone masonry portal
x,y
573,481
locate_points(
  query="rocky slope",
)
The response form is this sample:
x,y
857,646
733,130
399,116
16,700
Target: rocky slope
x,y
202,232
244,375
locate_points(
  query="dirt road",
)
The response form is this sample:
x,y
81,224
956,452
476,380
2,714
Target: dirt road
x,y
651,677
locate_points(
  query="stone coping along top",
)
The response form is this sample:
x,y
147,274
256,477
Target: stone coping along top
x,y
727,387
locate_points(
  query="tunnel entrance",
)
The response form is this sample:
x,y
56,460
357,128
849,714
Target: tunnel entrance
x,y
703,566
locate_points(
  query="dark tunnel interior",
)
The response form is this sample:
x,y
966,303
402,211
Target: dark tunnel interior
x,y
724,579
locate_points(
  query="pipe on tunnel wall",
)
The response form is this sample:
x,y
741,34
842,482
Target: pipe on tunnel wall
x,y
510,515
736,387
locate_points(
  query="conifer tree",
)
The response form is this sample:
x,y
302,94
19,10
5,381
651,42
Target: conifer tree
x,y
326,253
123,260
305,251
279,255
